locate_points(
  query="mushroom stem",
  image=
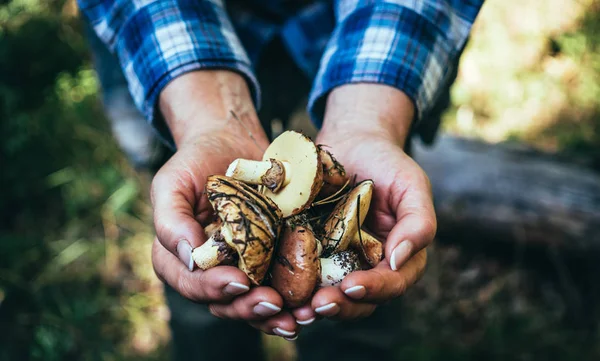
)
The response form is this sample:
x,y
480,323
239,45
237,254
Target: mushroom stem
x,y
338,266
272,173
215,251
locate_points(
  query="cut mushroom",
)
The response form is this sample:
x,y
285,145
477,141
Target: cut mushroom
x,y
296,269
334,174
368,247
338,266
291,172
250,225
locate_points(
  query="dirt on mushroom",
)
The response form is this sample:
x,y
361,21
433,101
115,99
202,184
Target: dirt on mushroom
x,y
269,221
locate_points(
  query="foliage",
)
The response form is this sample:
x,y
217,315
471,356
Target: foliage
x,y
75,279
532,74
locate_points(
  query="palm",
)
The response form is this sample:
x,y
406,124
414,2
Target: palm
x,y
401,186
192,164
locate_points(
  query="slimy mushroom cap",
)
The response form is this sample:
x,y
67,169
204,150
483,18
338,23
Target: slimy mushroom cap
x,y
250,223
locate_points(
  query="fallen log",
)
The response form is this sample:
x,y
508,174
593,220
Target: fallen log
x,y
486,192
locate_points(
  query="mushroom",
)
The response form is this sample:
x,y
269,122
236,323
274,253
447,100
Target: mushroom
x,y
334,174
369,248
341,229
215,251
338,266
250,225
270,173
296,268
290,174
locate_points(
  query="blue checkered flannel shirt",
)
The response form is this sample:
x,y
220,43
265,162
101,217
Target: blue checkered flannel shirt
x,y
407,44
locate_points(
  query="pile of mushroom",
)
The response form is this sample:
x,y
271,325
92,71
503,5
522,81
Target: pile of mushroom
x,y
293,220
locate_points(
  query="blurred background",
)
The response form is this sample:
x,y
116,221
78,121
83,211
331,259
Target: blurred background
x,y
76,281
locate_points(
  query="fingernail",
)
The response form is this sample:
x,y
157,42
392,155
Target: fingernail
x,y
283,333
290,338
356,292
235,288
184,251
400,255
329,309
266,309
305,322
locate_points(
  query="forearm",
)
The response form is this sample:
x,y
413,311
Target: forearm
x,y
369,109
409,46
154,53
202,102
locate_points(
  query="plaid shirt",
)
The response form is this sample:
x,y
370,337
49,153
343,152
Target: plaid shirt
x,y
408,44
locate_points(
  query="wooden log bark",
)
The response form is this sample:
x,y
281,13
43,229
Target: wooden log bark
x,y
486,192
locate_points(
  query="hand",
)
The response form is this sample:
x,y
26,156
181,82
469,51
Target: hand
x,y
369,141
197,110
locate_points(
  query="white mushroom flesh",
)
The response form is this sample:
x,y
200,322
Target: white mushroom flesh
x,y
306,172
338,266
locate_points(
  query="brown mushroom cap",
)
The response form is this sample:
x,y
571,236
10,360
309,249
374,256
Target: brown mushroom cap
x,y
333,171
346,218
251,223
334,174
368,247
296,268
305,172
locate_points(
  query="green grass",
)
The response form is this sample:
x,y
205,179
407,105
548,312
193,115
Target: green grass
x,y
76,281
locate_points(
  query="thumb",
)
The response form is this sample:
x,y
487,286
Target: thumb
x,y
174,200
416,223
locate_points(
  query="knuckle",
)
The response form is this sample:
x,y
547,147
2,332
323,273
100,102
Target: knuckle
x,y
421,264
210,288
378,282
426,227
368,310
243,310
186,289
401,287
214,310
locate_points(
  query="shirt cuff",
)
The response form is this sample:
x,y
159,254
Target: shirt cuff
x,y
164,40
392,45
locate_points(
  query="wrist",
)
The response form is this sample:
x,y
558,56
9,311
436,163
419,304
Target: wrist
x,y
369,110
204,102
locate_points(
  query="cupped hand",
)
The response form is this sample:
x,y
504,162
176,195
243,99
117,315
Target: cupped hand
x,y
401,215
207,145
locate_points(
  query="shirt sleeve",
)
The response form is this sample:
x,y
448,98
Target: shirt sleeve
x,y
158,40
410,45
